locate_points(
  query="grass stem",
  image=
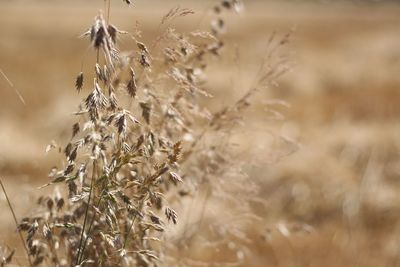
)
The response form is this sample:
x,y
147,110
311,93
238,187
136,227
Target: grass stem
x,y
16,222
86,214
90,227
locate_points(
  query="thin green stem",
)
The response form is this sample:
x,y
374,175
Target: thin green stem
x,y
86,213
131,227
16,222
129,232
90,226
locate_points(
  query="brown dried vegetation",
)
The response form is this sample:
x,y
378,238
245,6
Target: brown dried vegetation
x,y
141,141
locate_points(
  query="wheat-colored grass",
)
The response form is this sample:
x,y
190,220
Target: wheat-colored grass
x,y
321,201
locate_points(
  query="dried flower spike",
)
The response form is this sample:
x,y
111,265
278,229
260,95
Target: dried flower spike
x,y
131,86
79,82
171,215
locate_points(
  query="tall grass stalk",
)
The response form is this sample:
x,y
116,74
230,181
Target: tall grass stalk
x,y
16,222
149,140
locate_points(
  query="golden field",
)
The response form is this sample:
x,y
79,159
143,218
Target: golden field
x,y
323,147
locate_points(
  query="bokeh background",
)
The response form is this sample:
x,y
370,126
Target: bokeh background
x,y
324,148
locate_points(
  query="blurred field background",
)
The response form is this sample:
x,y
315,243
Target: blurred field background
x,y
328,165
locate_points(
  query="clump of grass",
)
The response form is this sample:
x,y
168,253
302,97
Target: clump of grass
x,y
140,132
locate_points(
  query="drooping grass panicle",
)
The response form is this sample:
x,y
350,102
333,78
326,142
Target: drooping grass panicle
x,y
142,140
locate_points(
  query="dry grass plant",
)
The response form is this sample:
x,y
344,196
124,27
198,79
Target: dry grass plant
x,y
143,140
